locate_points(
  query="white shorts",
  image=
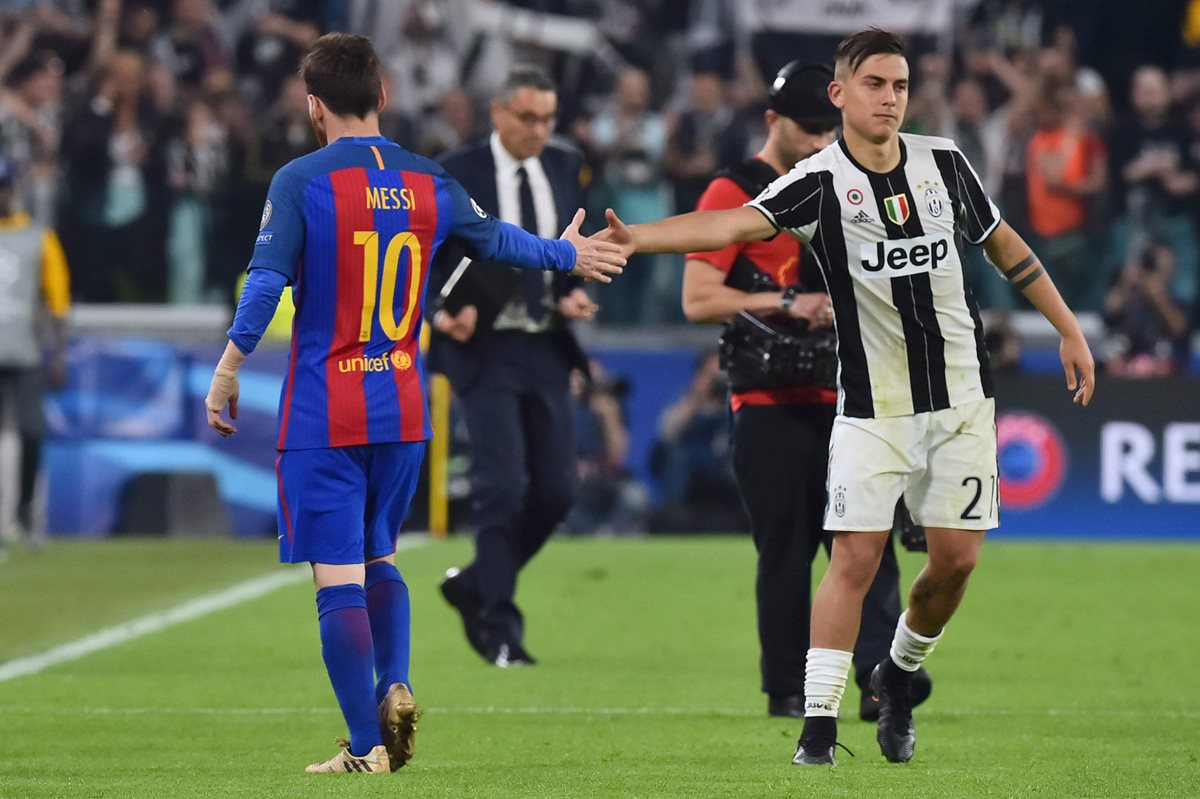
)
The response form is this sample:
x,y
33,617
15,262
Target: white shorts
x,y
942,462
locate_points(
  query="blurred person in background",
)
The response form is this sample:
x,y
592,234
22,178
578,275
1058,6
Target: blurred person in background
x,y
271,42
31,128
451,126
706,136
781,420
1067,168
113,217
509,362
690,458
629,138
197,162
190,46
1147,328
610,500
34,299
1155,179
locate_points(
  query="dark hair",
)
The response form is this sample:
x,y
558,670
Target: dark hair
x,y
525,76
342,71
860,46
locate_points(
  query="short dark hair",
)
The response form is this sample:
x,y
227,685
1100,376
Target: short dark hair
x,y
860,46
342,71
526,76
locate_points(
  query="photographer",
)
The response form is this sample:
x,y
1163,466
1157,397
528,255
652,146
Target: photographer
x,y
1147,328
778,349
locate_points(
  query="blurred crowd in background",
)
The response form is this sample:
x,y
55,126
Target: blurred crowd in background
x,y
146,133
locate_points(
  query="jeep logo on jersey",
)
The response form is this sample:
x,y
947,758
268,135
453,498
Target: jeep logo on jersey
x,y
897,208
904,256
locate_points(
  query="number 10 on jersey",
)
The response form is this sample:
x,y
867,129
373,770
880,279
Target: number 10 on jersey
x,y
369,241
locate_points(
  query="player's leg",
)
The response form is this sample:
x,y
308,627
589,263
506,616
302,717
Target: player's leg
x,y
869,463
31,425
785,500
322,497
392,476
956,500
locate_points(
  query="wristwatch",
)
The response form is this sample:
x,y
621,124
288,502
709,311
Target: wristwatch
x,y
789,296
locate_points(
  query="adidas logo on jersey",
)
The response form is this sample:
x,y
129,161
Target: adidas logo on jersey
x,y
861,218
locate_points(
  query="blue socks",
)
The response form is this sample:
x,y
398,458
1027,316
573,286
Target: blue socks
x,y
388,606
348,651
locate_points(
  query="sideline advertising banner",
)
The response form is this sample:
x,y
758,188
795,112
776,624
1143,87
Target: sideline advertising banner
x,y
1127,466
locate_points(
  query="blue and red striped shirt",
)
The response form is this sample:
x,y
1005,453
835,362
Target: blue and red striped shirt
x,y
354,227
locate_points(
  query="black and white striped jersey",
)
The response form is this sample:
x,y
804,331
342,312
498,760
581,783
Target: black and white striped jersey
x,y
890,247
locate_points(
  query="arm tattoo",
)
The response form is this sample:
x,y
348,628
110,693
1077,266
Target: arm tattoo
x,y
1014,270
1026,281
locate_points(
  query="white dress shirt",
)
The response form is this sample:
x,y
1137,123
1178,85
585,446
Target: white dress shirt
x,y
514,315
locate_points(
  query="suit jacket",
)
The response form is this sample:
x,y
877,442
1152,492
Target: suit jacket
x,y
475,168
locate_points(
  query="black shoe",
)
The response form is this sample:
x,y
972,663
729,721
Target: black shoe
x,y
817,742
868,706
468,604
897,736
509,656
786,705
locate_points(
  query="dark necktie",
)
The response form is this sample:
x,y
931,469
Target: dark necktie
x,y
534,283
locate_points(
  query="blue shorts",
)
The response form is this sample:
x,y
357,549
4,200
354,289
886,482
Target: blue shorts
x,y
344,505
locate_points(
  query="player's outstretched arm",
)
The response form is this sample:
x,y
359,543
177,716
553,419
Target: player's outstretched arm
x,y
594,259
699,231
224,391
1008,251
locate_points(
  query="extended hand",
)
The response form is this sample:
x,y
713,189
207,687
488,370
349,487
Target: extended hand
x,y
617,233
594,259
1077,357
222,391
577,305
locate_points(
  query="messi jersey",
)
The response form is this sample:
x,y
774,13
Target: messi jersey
x,y
354,227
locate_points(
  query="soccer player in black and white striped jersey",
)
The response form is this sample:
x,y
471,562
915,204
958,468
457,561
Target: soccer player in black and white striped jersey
x,y
886,215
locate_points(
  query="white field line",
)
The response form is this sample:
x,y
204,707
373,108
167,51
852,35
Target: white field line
x,y
581,711
145,625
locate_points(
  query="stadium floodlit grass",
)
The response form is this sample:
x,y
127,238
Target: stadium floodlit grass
x,y
1069,672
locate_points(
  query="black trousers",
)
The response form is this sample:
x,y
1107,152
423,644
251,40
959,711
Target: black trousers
x,y
780,459
520,421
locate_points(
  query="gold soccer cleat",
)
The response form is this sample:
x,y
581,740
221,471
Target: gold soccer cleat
x,y
398,716
373,762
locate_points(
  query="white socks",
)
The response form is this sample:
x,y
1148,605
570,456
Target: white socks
x,y
909,649
825,681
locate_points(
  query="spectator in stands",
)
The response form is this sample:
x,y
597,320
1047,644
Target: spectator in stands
x,y
453,125
113,217
423,66
1066,169
197,160
189,47
34,283
271,44
690,459
1147,327
706,137
610,500
629,138
1156,180
31,128
286,132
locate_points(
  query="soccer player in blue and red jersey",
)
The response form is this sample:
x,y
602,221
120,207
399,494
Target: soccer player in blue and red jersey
x,y
353,228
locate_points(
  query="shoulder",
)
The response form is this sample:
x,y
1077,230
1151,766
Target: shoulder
x,y
560,148
466,156
919,142
722,193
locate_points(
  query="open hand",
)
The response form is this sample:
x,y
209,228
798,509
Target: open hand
x,y
1077,358
594,259
617,233
577,305
459,326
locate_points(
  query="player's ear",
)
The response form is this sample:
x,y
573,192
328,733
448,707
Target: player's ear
x,y
835,95
382,100
769,117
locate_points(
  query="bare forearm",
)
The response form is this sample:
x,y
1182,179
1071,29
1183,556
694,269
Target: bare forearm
x,y
721,303
701,230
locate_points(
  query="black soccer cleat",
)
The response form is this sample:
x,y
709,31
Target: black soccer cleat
x,y
868,706
817,742
897,736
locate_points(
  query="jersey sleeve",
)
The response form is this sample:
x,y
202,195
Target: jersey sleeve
x,y
721,194
793,203
977,214
483,236
280,242
56,279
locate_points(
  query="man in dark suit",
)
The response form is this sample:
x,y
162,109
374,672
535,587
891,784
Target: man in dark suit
x,y
503,341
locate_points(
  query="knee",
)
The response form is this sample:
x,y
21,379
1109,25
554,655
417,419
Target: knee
x,y
555,497
954,567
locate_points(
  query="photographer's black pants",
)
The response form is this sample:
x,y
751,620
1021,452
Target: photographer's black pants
x,y
780,458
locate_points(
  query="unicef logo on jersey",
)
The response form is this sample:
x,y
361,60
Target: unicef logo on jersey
x,y
1032,459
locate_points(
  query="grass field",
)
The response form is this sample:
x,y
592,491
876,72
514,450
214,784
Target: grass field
x,y
1069,672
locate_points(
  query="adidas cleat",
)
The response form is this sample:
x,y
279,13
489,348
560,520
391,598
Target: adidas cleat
x,y
398,716
373,762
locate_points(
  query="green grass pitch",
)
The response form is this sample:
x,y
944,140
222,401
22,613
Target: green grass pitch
x,y
1070,671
